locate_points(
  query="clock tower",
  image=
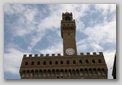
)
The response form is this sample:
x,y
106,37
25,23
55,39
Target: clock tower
x,y
68,32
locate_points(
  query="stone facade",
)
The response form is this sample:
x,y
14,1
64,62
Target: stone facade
x,y
66,66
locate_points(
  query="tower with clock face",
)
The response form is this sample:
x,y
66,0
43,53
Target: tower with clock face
x,y
68,32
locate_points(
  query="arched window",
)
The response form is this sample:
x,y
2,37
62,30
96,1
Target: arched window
x,y
90,71
61,62
94,71
67,62
56,62
103,72
81,72
99,71
87,61
85,72
73,72
49,72
50,63
26,63
53,72
61,72
44,73
93,61
74,62
36,73
44,63
38,63
80,61
40,73
32,73
77,72
99,60
32,63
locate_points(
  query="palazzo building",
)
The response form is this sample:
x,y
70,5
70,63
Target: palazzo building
x,y
70,65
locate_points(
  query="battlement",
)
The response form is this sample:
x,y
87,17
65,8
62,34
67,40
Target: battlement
x,y
94,53
41,55
67,13
57,55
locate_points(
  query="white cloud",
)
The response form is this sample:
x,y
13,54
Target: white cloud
x,y
54,49
35,39
14,8
25,22
105,8
12,61
105,32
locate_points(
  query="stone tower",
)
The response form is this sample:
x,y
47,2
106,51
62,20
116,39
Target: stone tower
x,y
68,66
68,32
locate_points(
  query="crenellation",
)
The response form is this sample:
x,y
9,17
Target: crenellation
x,y
94,53
88,53
47,55
24,55
30,55
100,53
53,54
36,55
82,54
41,55
59,55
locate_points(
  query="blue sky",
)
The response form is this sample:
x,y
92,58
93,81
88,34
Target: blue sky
x,y
35,28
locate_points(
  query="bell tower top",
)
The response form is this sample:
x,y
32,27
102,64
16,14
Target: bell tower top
x,y
67,16
67,23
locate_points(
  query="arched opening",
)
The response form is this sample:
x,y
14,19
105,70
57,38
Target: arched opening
x,y
44,63
32,63
40,74
99,61
73,72
81,72
61,62
77,73
74,62
80,61
87,61
61,73
67,61
50,63
53,72
56,62
49,73
38,63
44,73
93,61
66,74
26,63
94,72
103,72
86,72
99,71
23,73
27,73
36,73
57,73
90,72
32,73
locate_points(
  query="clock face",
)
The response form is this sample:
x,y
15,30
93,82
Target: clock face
x,y
70,51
